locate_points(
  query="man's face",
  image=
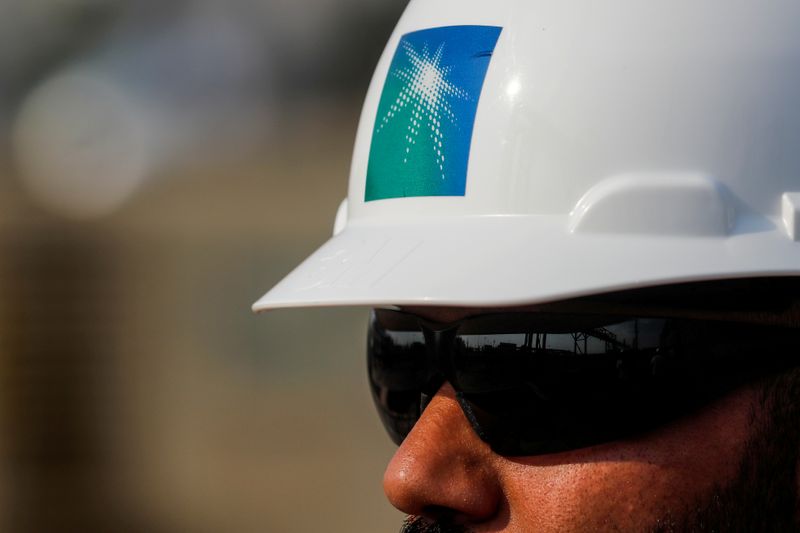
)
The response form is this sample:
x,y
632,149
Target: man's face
x,y
664,480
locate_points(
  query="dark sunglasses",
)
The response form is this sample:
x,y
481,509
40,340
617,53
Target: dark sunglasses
x,y
534,383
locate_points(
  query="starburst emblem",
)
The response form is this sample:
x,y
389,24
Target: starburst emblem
x,y
425,98
423,125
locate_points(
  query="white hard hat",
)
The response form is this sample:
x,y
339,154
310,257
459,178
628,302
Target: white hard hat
x,y
518,151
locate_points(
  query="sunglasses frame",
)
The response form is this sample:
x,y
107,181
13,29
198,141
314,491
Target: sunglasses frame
x,y
498,416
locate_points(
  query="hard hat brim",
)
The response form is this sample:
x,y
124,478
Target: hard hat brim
x,y
507,261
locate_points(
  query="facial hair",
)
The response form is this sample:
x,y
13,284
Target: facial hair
x,y
764,494
417,524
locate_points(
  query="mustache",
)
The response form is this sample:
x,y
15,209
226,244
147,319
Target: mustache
x,y
416,524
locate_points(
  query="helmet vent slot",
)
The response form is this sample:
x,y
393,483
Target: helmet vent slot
x,y
659,204
790,211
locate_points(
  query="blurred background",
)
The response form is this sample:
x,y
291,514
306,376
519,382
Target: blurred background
x,y
162,164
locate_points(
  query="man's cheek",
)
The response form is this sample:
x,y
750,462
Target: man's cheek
x,y
632,485
555,498
593,496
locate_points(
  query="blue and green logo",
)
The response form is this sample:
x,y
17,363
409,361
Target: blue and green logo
x,y
423,129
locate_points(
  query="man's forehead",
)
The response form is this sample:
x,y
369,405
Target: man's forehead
x,y
445,314
784,315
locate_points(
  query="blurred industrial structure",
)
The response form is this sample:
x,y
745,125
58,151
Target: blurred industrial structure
x,y
161,164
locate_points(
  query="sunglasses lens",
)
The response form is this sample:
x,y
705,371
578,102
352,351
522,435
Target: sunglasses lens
x,y
530,420
533,383
398,370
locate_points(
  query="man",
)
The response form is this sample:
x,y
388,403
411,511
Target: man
x,y
729,465
578,225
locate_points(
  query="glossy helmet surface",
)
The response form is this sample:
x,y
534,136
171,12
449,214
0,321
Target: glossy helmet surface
x,y
591,147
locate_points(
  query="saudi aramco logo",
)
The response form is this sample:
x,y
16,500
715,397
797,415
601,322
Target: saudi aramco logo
x,y
423,129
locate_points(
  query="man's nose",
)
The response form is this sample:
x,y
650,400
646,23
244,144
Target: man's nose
x,y
443,468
